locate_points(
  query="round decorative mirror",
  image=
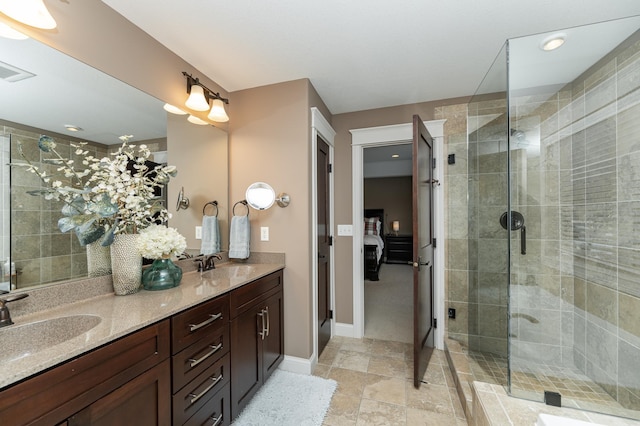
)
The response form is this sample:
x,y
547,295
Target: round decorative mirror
x,y
260,195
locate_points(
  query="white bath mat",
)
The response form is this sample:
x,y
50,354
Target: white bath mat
x,y
289,399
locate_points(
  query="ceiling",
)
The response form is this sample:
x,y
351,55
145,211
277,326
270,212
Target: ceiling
x,y
358,54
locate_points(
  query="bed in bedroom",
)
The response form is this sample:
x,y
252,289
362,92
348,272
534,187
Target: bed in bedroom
x,y
373,242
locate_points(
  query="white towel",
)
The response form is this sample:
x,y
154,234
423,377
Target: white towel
x,y
239,237
210,235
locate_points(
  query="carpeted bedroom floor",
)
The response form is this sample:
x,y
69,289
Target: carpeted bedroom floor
x,y
388,309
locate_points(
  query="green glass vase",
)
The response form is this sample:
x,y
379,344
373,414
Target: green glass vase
x,y
161,275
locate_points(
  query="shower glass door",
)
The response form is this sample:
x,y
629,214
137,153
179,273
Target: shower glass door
x,y
574,252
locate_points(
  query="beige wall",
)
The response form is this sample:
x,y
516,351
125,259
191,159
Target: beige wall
x,y
342,123
393,194
270,142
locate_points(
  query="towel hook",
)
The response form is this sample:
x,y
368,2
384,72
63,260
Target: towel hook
x,y
243,202
212,203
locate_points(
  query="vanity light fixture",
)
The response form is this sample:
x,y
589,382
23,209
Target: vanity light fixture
x,y
261,196
199,97
173,109
29,12
7,32
553,42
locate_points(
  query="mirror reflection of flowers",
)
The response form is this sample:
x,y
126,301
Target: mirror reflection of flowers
x,y
106,196
159,241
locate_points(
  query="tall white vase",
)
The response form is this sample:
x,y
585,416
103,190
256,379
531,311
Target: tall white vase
x,y
126,264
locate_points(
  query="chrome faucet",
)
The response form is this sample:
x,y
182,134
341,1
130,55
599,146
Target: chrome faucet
x,y
5,316
206,263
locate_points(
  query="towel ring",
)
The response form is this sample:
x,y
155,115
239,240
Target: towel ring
x,y
243,202
212,203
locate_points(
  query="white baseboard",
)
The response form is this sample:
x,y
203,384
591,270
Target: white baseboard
x,y
294,364
344,330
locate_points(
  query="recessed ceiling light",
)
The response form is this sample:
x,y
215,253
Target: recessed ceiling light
x,y
553,42
72,128
395,156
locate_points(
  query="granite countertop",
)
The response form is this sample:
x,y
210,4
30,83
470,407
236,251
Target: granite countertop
x,y
26,352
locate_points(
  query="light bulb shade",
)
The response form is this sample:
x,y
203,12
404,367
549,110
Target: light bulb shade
x,y
196,100
30,12
217,112
173,109
395,225
260,195
8,32
196,120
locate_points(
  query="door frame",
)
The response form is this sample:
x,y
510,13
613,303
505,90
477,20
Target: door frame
x,y
320,127
384,136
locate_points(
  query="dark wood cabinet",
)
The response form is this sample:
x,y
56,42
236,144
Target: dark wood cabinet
x,y
143,401
84,389
257,337
201,364
398,248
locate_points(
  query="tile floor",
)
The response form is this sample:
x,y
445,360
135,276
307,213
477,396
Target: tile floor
x,y
375,385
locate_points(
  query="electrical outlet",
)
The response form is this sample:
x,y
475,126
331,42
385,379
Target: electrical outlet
x,y
264,233
198,232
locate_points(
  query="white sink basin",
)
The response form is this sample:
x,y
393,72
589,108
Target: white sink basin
x,y
20,340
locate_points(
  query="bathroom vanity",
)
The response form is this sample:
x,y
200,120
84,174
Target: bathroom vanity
x,y
199,364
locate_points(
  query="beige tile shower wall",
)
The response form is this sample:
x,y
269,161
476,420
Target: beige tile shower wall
x,y
41,253
456,218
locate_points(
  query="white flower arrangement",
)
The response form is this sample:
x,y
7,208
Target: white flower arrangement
x,y
108,196
157,241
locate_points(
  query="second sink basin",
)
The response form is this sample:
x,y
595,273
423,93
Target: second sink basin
x,y
232,271
20,340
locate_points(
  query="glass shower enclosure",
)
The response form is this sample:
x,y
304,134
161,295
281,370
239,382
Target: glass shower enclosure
x,y
554,208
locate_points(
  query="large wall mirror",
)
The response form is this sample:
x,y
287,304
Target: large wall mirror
x,y
43,91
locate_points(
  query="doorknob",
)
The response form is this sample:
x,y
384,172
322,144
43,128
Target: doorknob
x,y
418,264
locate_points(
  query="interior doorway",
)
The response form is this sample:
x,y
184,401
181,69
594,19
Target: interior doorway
x,y
378,137
387,201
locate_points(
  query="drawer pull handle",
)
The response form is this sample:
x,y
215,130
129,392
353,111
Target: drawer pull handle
x,y
193,362
212,318
195,397
216,420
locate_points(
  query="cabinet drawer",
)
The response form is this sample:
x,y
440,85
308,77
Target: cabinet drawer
x,y
196,323
217,412
55,395
193,360
244,297
196,394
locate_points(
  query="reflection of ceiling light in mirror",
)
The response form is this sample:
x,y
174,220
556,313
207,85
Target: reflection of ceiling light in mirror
x,y
173,109
72,128
553,42
30,12
195,120
217,112
8,32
